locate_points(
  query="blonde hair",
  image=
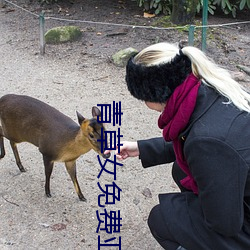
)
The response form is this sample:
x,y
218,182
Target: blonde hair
x,y
202,67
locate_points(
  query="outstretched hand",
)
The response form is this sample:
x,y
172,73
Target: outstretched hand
x,y
128,149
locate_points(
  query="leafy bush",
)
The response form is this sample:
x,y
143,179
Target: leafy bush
x,y
165,6
157,6
211,7
232,6
244,4
226,6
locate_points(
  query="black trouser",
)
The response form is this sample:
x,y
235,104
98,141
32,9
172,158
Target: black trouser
x,y
156,222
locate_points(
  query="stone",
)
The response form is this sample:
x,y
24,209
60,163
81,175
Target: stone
x,y
244,68
2,3
121,58
239,76
147,193
63,34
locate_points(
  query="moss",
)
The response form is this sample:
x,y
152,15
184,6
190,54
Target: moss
x,y
121,58
163,22
63,34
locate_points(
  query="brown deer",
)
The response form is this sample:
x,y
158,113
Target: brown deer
x,y
59,138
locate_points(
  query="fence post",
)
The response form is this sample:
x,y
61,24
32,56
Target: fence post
x,y
204,24
191,35
42,31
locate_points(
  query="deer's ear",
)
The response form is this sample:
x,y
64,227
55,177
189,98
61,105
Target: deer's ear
x,y
96,111
80,118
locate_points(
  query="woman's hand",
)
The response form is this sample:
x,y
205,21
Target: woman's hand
x,y
128,149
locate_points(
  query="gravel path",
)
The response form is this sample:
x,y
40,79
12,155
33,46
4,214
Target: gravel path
x,y
70,80
77,76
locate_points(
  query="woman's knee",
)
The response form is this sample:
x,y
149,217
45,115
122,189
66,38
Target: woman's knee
x,y
156,223
154,217
159,229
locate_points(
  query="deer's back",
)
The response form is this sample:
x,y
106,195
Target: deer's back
x,y
24,118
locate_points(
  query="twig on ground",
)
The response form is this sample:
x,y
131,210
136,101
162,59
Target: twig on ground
x,y
13,203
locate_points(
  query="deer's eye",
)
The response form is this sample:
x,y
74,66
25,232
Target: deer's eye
x,y
91,136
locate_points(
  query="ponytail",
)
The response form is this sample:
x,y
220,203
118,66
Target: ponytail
x,y
218,78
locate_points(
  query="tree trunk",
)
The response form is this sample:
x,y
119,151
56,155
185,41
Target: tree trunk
x,y
183,11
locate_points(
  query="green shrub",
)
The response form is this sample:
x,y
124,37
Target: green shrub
x,y
232,6
157,6
211,7
165,6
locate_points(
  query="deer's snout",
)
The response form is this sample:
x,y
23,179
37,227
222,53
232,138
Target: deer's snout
x,y
106,156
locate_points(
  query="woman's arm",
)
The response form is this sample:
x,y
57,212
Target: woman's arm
x,y
155,151
152,152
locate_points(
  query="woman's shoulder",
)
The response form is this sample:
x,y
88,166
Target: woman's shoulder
x,y
215,117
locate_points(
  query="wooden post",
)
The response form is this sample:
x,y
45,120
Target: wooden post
x,y
42,31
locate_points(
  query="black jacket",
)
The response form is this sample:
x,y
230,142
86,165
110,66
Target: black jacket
x,y
216,145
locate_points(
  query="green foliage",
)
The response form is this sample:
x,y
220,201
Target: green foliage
x,y
165,6
211,7
244,4
157,6
226,6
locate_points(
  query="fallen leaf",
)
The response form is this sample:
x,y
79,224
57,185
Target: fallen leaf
x,y
58,227
147,15
146,192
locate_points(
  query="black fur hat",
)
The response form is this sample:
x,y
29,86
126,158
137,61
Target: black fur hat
x,y
156,83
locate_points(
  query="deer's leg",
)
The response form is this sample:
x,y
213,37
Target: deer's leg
x,y
48,165
71,168
1,144
18,161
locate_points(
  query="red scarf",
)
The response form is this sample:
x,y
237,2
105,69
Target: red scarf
x,y
174,119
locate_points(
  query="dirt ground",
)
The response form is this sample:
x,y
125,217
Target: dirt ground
x,y
77,76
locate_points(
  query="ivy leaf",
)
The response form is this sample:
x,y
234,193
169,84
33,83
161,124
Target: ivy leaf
x,y
242,4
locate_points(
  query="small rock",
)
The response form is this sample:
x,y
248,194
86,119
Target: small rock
x,y
239,76
44,225
121,58
2,3
136,201
147,193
